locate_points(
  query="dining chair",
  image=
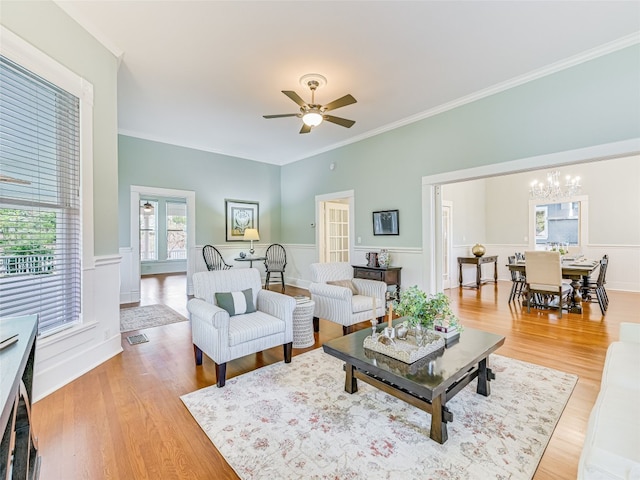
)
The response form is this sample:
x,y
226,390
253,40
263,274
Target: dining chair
x,y
543,272
518,281
275,262
597,288
213,258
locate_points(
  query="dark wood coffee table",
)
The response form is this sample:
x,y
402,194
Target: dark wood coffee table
x,y
428,383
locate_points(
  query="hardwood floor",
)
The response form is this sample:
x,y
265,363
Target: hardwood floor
x,y
125,420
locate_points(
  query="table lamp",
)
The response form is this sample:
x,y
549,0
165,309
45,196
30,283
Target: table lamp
x,y
251,234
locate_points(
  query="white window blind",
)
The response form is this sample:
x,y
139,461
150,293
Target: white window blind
x,y
40,230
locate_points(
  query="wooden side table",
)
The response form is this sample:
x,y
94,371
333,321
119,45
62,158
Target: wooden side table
x,y
478,262
388,275
303,325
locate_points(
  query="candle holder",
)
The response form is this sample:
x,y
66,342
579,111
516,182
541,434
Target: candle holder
x,y
390,332
374,323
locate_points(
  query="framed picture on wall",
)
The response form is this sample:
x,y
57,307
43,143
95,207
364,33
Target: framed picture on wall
x,y
385,222
239,215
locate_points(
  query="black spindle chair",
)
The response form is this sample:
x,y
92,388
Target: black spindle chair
x,y
213,258
275,262
597,287
518,282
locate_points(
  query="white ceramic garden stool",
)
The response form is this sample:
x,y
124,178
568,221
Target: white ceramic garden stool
x,y
303,325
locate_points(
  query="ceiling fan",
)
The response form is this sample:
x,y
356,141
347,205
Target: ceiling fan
x,y
313,114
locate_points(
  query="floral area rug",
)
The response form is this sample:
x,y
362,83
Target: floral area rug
x,y
137,318
295,421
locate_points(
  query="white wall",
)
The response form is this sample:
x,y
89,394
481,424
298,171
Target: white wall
x,y
469,219
613,223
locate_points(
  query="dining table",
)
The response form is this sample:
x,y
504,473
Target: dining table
x,y
579,271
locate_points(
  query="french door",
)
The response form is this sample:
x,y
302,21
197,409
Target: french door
x,y
335,236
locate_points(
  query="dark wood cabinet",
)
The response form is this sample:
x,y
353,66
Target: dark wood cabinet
x,y
18,451
388,275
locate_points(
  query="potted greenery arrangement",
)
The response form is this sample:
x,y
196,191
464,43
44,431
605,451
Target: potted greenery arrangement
x,y
425,310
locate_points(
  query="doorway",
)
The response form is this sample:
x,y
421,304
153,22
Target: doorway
x,y
334,233
186,196
447,230
432,244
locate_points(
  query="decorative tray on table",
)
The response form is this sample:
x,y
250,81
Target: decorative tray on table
x,y
400,367
406,350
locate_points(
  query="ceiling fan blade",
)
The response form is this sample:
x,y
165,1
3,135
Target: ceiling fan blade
x,y
340,121
282,115
295,97
341,102
305,128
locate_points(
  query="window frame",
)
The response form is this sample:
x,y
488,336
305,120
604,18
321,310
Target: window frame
x,y
30,58
167,230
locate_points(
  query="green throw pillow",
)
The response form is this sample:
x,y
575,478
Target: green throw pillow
x,y
236,303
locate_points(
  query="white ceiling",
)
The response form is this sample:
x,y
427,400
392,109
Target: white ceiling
x,y
202,73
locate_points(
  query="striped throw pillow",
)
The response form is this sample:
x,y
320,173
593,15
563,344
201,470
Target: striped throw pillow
x,y
236,303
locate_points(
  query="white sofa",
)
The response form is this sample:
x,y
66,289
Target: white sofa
x,y
612,444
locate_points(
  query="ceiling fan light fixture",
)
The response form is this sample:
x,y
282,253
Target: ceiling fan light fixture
x,y
312,113
312,118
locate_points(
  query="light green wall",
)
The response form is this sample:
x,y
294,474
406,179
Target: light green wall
x,y
593,103
213,178
49,29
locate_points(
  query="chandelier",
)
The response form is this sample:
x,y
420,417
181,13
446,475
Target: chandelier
x,y
552,189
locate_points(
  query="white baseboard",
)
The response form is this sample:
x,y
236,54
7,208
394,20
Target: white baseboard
x,y
55,376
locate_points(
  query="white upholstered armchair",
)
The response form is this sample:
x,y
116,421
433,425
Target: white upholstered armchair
x,y
346,300
225,335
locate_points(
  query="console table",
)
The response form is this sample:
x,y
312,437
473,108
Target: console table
x,y
388,275
478,262
18,450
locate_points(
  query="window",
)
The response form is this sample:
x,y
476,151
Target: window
x,y
163,230
40,227
176,231
561,225
148,226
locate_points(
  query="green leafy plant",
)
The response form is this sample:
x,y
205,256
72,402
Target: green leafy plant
x,y
423,309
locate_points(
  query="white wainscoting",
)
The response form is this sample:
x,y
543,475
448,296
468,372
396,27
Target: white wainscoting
x,y
228,252
300,256
622,274
68,354
129,287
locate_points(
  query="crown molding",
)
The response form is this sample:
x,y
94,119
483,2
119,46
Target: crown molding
x,y
583,57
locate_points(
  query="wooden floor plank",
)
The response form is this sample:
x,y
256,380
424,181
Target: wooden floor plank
x,y
125,420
